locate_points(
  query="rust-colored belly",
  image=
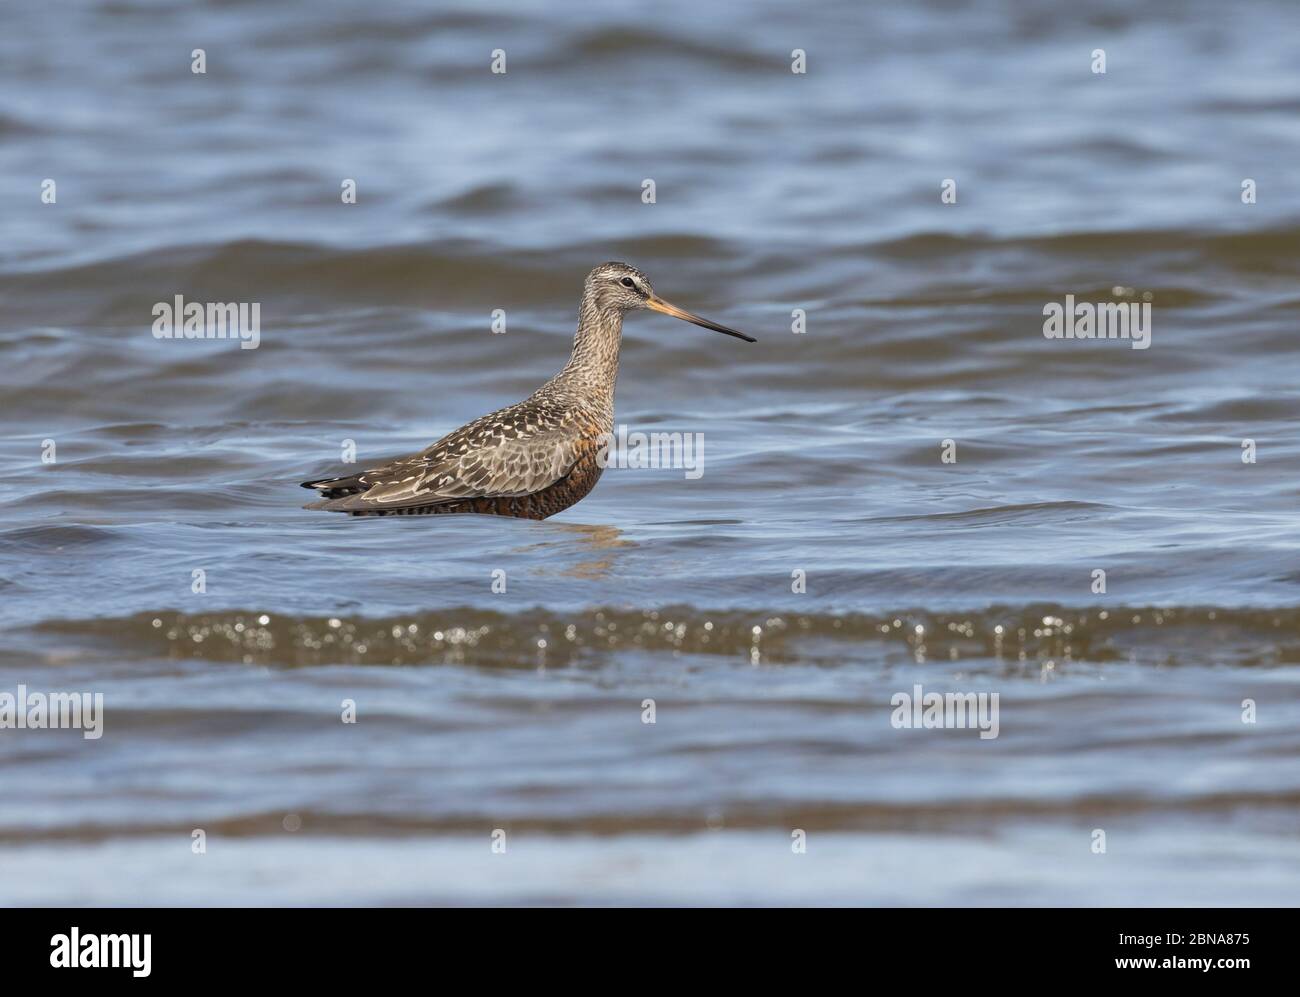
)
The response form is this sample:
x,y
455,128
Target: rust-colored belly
x,y
550,500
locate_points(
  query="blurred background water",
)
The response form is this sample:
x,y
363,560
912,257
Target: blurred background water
x,y
523,710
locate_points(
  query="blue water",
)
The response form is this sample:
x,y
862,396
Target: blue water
x,y
827,558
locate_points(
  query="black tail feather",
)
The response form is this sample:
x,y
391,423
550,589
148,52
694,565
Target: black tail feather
x,y
332,488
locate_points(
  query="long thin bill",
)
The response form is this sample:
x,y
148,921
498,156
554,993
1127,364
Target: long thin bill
x,y
660,305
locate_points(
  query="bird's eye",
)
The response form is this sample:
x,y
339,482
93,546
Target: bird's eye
x,y
628,282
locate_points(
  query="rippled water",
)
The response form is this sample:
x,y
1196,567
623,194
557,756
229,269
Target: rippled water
x,y
523,710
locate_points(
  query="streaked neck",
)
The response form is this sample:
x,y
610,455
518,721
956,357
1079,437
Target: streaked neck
x,y
595,347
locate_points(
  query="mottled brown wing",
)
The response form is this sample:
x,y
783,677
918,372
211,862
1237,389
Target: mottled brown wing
x,y
499,468
507,454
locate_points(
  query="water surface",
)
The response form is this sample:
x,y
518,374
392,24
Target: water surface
x,y
827,559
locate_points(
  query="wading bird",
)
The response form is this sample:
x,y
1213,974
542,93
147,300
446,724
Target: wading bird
x,y
529,460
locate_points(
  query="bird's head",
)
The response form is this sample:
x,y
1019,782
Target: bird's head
x,y
623,288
